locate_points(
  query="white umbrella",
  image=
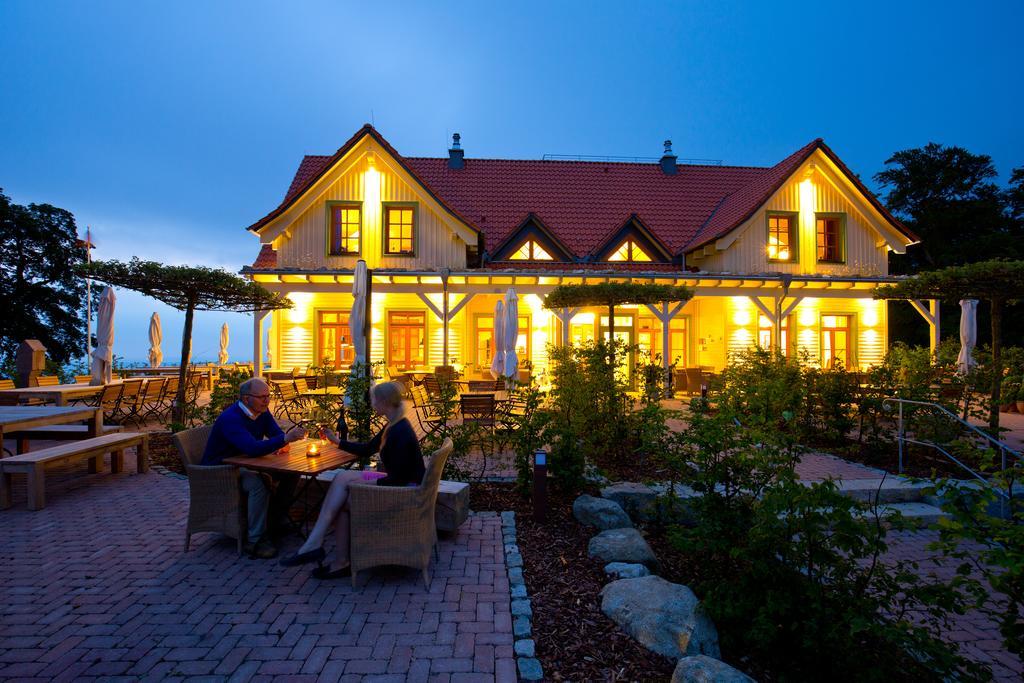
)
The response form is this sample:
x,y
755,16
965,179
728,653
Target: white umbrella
x,y
103,354
511,334
270,356
357,316
968,335
222,357
156,335
498,361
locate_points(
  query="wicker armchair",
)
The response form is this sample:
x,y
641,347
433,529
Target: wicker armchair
x,y
216,502
407,513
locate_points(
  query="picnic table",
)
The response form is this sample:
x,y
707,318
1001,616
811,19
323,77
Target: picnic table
x,y
292,460
19,418
60,394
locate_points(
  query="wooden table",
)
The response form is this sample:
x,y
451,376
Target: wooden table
x,y
294,461
17,418
58,393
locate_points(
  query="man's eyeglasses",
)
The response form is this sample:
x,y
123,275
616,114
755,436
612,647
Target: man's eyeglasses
x,y
260,396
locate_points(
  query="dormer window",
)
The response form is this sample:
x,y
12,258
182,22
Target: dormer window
x,y
345,223
782,237
630,251
530,251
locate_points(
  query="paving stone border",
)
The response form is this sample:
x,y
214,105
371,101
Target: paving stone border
x,y
522,612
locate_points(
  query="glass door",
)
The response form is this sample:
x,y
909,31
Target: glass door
x,y
407,333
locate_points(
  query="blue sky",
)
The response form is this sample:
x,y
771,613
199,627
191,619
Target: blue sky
x,y
169,127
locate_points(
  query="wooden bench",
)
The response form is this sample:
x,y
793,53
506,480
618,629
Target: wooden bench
x,y
34,464
452,505
55,433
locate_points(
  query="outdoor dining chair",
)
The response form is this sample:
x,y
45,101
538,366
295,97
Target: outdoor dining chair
x,y
147,399
406,512
427,413
125,408
215,495
46,381
83,379
288,402
478,385
432,385
445,373
301,385
165,403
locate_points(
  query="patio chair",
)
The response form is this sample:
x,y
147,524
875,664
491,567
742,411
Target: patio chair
x,y
478,385
6,400
215,495
432,385
427,414
694,379
46,381
288,402
147,399
481,410
301,385
83,379
163,406
126,405
445,373
408,515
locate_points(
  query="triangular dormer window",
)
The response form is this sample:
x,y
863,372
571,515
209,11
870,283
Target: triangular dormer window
x,y
630,251
530,251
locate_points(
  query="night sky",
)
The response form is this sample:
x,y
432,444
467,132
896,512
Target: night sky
x,y
169,127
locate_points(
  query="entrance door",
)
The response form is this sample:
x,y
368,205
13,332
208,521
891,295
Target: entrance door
x,y
407,333
624,332
336,348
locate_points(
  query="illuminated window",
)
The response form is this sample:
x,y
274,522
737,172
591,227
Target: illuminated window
x,y
629,251
764,334
531,251
345,225
829,231
399,230
335,339
835,341
407,333
485,340
781,237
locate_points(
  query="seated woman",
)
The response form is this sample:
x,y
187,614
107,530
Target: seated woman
x,y
400,458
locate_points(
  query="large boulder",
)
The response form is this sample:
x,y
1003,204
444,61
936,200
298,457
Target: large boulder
x,y
625,570
638,500
622,545
599,512
664,617
703,669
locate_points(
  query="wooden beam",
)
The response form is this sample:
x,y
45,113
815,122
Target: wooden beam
x,y
790,307
430,304
459,306
768,313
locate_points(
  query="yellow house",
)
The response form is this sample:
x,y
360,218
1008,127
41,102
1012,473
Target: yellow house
x,y
784,256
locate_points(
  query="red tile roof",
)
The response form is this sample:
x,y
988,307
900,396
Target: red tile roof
x,y
582,203
267,258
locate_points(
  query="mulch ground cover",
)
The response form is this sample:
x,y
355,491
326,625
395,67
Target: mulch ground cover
x,y
575,640
163,452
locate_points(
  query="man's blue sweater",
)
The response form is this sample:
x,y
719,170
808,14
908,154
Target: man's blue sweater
x,y
235,433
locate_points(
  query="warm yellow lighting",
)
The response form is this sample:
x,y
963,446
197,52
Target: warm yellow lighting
x,y
530,251
808,315
299,312
629,251
741,318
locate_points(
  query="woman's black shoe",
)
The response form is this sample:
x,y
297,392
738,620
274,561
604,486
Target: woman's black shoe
x,y
315,555
323,573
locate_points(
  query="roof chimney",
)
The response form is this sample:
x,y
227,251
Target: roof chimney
x,y
668,160
455,153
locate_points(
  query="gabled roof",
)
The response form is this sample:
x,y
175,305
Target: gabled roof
x,y
738,207
312,168
584,202
525,229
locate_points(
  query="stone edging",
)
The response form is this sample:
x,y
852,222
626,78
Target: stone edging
x,y
522,613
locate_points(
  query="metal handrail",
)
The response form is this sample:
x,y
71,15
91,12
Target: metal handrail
x,y
901,438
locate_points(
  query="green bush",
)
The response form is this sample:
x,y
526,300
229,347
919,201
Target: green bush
x,y
225,393
792,574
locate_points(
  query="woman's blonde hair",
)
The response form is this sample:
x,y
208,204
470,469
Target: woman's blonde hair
x,y
388,393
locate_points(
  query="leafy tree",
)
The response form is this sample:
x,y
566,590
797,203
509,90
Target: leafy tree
x,y
1015,195
948,196
43,295
998,282
189,289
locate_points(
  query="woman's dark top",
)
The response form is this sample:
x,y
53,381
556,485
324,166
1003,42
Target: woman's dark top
x,y
399,454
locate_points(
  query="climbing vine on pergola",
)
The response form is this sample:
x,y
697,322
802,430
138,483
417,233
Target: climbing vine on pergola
x,y
612,294
188,289
998,282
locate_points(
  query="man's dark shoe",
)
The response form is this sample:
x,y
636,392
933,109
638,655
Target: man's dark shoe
x,y
263,550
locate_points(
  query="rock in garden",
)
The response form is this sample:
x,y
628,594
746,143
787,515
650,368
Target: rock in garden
x,y
664,617
703,669
636,499
622,545
625,570
600,512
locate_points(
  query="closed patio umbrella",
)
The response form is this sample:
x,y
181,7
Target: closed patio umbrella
x,y
357,316
511,334
222,357
498,337
968,335
103,354
156,335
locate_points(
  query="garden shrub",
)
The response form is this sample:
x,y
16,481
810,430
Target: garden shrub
x,y
225,393
792,575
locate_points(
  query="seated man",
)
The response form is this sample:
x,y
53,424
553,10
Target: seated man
x,y
247,428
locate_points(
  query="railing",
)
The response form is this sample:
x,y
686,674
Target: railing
x,y
901,438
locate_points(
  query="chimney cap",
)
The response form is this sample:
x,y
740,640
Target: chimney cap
x,y
456,141
668,147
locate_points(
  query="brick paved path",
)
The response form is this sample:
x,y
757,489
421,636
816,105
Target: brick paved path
x,y
97,585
